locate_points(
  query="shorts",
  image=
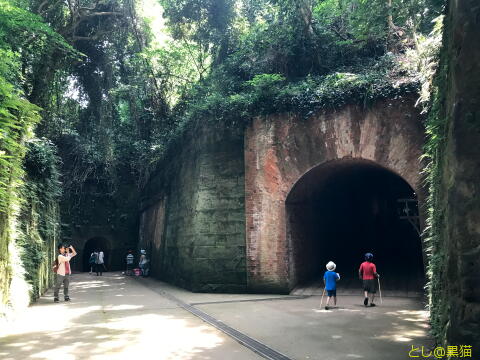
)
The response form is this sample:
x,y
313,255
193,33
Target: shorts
x,y
370,286
331,293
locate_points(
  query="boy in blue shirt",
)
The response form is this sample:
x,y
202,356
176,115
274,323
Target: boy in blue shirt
x,y
330,280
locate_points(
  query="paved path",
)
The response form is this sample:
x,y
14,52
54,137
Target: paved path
x,y
117,317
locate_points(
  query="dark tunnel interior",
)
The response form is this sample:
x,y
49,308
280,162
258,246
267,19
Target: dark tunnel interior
x,y
90,246
341,210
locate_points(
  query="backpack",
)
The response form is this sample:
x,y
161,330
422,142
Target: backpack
x,y
93,259
55,266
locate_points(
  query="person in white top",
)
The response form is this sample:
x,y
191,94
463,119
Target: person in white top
x,y
129,261
62,271
99,263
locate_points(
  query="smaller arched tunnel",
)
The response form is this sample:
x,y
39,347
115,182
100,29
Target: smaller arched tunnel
x,y
339,211
95,243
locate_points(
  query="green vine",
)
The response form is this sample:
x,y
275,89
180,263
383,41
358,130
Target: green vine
x,y
434,153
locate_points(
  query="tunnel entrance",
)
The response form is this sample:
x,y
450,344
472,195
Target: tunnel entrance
x,y
90,246
341,210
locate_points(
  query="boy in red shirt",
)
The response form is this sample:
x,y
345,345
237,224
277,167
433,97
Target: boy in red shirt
x,y
368,273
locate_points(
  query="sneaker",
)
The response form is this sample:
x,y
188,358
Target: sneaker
x,y
67,298
372,305
56,300
327,308
365,302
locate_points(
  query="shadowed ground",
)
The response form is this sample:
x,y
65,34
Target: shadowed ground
x,y
114,317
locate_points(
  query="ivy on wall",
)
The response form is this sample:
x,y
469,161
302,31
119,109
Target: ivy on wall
x,y
18,189
39,219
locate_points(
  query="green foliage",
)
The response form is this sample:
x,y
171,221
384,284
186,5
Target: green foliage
x,y
207,23
434,154
272,93
177,66
377,20
139,87
23,36
17,116
424,60
23,30
39,222
300,56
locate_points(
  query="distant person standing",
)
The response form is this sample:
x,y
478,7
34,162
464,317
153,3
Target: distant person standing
x,y
102,256
99,264
143,263
129,261
92,261
63,271
368,273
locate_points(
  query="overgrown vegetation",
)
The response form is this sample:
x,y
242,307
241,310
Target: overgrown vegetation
x,y
436,128
23,35
39,218
269,93
139,83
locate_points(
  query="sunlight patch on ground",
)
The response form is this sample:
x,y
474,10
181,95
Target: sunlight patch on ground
x,y
321,311
166,336
349,310
123,307
49,318
418,315
400,335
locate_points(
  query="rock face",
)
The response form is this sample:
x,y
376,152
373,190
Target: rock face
x,y
459,187
214,217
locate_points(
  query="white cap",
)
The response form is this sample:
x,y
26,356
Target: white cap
x,y
331,266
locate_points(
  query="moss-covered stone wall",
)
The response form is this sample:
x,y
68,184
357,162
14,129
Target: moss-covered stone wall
x,y
454,129
199,190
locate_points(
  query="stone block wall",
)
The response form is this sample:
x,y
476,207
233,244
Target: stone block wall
x,y
152,227
201,245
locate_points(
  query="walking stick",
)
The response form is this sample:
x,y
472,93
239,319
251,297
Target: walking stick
x,y
321,302
380,290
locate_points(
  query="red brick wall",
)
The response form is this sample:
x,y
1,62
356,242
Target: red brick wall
x,y
280,149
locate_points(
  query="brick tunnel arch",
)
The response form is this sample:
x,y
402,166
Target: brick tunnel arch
x,y
342,209
97,242
282,148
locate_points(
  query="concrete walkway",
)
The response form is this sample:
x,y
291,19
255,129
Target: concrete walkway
x,y
117,317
